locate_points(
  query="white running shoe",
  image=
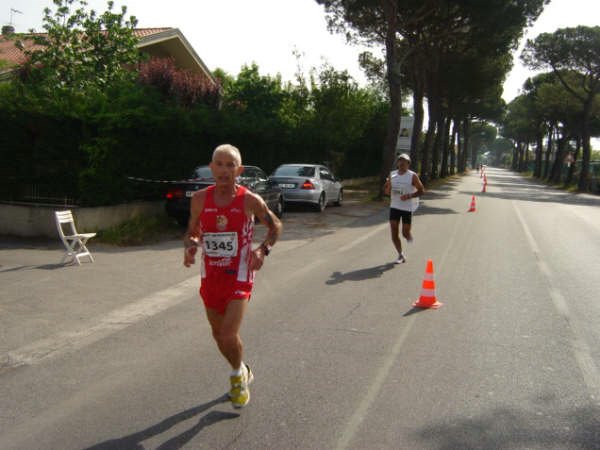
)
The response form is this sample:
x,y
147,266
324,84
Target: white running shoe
x,y
401,259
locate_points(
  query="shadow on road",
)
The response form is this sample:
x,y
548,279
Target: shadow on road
x,y
133,441
505,428
424,209
414,310
516,187
531,195
43,267
361,274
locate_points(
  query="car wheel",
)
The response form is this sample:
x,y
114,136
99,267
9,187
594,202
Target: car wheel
x,y
340,198
279,207
322,203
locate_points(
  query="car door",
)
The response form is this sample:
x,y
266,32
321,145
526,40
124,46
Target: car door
x,y
336,185
327,181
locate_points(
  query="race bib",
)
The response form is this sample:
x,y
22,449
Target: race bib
x,y
220,245
401,188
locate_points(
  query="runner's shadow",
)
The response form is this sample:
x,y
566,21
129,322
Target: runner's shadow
x,y
360,275
134,441
424,209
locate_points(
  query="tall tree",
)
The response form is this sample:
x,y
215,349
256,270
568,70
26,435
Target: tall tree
x,y
384,22
572,50
518,125
82,50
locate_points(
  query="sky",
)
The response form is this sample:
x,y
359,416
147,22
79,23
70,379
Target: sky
x,y
231,33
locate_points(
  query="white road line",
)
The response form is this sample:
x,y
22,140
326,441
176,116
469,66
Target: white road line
x,y
114,321
579,345
361,412
374,389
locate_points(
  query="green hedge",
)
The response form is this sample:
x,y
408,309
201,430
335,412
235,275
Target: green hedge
x,y
84,147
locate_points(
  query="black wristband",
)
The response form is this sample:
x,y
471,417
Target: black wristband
x,y
265,248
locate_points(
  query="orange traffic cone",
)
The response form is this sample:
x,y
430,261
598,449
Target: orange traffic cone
x,y
427,298
472,207
484,186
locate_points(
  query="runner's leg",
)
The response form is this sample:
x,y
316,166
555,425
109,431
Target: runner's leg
x,y
406,226
406,231
395,229
225,329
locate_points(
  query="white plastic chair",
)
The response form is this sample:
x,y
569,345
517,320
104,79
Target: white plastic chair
x,y
74,241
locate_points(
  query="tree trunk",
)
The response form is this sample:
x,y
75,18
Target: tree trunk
x,y
584,174
459,140
466,140
419,114
574,162
390,8
429,136
537,171
555,172
523,156
440,126
453,140
548,151
474,149
445,148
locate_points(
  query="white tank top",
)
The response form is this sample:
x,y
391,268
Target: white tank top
x,y
400,185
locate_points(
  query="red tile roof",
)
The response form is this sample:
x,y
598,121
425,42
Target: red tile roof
x,y
12,55
144,32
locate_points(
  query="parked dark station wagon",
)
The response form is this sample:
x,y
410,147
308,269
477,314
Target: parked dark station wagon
x,y
254,178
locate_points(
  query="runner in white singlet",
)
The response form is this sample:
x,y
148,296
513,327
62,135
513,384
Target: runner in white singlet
x,y
404,188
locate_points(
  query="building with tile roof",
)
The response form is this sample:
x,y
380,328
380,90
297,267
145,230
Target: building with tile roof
x,y
156,42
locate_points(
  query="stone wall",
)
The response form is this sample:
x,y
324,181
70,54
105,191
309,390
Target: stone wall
x,y
27,220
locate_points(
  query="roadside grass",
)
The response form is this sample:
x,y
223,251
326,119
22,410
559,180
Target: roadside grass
x,y
438,182
141,230
364,192
571,188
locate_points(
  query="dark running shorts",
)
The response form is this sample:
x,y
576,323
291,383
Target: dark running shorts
x,y
397,214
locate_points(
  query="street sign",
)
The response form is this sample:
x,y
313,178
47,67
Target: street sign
x,y
404,137
569,159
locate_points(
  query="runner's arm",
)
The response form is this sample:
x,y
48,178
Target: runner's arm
x,y
259,209
193,234
387,187
416,182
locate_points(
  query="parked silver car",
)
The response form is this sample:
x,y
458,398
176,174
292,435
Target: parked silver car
x,y
308,183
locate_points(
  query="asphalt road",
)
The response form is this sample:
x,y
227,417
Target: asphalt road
x,y
118,355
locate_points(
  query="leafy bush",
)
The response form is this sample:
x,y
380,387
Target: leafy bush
x,y
183,86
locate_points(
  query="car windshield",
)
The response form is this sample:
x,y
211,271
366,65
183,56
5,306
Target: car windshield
x,y
202,172
294,171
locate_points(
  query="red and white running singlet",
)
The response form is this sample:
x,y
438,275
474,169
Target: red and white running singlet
x,y
227,241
